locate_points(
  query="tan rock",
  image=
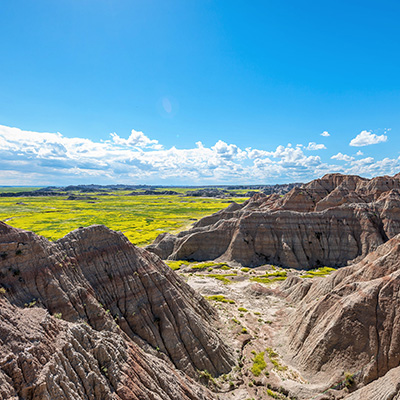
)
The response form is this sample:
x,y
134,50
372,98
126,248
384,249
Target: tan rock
x,y
350,321
96,276
330,221
42,358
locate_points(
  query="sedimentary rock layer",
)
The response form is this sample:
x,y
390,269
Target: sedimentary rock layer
x,y
44,358
97,277
350,321
329,221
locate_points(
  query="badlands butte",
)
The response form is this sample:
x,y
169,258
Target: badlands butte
x,y
292,296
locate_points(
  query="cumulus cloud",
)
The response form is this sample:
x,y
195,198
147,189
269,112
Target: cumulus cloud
x,y
370,167
363,161
136,139
314,146
228,151
342,157
325,133
359,153
366,138
43,158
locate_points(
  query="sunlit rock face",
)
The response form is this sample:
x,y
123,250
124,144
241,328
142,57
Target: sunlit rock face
x,y
350,321
329,221
121,318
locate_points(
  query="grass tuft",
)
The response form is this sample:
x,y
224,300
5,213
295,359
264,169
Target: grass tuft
x,y
220,298
175,265
222,277
273,358
323,271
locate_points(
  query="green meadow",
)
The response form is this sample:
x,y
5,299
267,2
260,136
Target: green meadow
x,y
140,218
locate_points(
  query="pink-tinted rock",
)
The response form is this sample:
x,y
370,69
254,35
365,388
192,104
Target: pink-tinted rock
x,y
329,221
43,358
350,321
96,276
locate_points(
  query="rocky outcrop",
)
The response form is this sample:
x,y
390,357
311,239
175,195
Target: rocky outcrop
x,y
44,358
385,388
97,277
154,193
329,221
350,321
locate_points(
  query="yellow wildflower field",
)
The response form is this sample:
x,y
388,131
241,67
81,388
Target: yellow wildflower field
x,y
140,218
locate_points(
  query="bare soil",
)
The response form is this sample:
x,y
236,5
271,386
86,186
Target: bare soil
x,y
253,319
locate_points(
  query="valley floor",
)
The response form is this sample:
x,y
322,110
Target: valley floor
x,y
253,319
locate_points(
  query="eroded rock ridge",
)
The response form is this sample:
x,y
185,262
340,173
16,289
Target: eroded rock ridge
x,y
129,323
350,322
329,221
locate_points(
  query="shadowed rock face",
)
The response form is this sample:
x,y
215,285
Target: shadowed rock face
x,y
329,221
96,276
350,321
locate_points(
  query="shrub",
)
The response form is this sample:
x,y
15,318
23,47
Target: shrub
x,y
273,358
206,376
348,379
259,364
221,298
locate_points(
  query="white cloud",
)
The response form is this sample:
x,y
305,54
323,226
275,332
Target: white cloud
x,y
359,153
342,157
228,151
314,146
43,158
255,153
366,138
368,167
325,133
136,139
363,161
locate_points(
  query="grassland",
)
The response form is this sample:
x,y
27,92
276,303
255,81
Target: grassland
x,y
17,189
140,218
323,271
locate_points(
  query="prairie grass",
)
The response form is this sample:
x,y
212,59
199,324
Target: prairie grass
x,y
222,277
220,298
175,265
323,271
140,218
17,189
210,264
273,358
271,277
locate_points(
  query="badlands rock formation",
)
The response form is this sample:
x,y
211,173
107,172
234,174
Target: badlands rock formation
x,y
129,324
43,358
329,221
350,321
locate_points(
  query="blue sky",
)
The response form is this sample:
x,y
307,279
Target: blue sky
x,y
197,92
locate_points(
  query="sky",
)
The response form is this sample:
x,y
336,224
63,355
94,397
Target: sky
x,y
186,92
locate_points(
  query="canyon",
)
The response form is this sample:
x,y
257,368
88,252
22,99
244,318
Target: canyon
x,y
252,310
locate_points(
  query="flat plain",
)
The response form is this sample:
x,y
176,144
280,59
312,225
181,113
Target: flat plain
x,y
140,218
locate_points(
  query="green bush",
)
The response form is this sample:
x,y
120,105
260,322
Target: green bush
x,y
220,298
259,364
